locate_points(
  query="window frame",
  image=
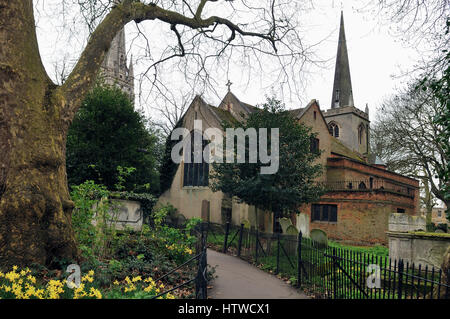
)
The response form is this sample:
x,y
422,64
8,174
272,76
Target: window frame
x,y
319,211
196,174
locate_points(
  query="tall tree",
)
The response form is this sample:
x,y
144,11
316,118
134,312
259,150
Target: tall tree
x,y
106,133
408,138
293,184
35,113
441,90
420,24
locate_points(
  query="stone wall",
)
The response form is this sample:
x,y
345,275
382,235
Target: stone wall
x,y
419,248
126,214
409,241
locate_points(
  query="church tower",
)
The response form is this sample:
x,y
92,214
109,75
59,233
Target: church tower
x,y
346,122
114,69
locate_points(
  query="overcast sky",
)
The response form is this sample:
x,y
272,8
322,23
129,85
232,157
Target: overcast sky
x,y
375,56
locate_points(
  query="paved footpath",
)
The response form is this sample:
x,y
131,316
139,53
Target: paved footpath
x,y
237,279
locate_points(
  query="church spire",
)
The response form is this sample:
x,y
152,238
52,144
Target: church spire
x,y
342,87
115,70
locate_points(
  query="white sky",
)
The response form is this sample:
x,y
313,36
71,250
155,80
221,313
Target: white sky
x,y
375,56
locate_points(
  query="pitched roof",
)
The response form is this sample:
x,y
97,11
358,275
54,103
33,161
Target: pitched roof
x,y
245,106
297,112
223,115
337,147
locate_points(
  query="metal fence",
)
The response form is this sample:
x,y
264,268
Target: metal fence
x,y
367,185
330,272
200,260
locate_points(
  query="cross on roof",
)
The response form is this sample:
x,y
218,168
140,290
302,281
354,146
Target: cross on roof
x,y
229,85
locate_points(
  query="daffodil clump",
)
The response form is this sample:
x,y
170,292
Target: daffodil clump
x,y
180,248
20,284
137,286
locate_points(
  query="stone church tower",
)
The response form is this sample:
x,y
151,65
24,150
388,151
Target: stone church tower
x,y
345,122
114,70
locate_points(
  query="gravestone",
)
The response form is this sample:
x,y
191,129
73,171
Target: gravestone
x,y
303,224
319,236
205,210
285,223
246,223
226,210
180,220
292,230
399,222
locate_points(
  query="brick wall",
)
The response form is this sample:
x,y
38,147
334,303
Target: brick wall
x,y
362,216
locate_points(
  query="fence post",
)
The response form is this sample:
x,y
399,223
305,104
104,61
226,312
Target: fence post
x,y
334,274
201,282
240,240
448,284
400,279
256,246
278,254
225,243
299,260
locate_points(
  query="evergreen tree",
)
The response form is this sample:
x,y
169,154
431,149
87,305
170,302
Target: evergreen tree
x,y
295,181
108,135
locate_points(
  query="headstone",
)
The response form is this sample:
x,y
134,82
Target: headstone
x,y
180,220
226,210
319,236
246,223
399,222
292,230
285,223
205,210
303,224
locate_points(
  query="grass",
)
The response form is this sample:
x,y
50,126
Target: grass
x,y
376,250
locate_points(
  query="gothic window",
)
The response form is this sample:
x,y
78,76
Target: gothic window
x,y
196,174
314,145
361,133
337,96
333,128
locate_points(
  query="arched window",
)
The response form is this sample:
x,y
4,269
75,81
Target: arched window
x,y
196,174
361,130
333,128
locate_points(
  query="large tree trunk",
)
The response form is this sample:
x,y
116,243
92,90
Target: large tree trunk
x,y
35,207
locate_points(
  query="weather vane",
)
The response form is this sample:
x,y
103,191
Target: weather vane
x,y
229,85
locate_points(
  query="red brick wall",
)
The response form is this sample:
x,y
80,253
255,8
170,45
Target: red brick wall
x,y
362,216
354,168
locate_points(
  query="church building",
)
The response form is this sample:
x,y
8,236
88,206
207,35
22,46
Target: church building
x,y
360,195
114,69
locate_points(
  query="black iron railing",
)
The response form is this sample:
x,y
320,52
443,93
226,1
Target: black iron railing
x,y
200,259
331,272
368,185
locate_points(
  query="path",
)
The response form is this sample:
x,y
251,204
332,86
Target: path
x,y
237,279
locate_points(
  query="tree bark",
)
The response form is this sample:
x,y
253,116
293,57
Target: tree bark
x,y
35,207
35,114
